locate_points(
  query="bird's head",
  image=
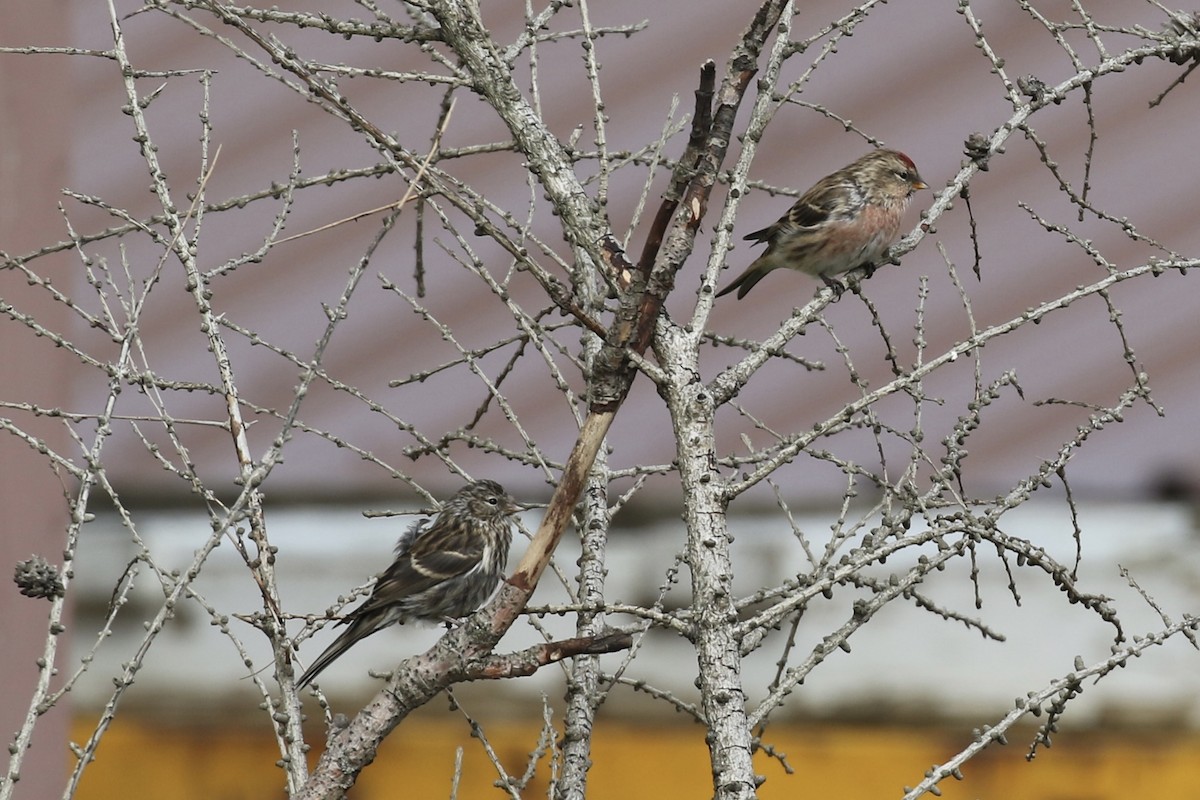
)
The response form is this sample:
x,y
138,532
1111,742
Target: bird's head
x,y
486,499
890,173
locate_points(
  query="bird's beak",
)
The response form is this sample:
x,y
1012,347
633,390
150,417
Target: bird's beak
x,y
513,507
919,184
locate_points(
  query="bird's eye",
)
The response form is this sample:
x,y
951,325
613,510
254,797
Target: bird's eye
x,y
494,500
903,175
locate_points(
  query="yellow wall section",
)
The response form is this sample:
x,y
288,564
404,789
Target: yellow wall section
x,y
140,759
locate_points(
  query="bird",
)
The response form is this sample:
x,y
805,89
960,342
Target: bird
x,y
847,219
443,569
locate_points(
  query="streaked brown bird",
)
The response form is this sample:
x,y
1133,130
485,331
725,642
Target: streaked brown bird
x,y
443,569
847,219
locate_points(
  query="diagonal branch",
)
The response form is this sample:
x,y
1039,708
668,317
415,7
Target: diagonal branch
x,y
456,656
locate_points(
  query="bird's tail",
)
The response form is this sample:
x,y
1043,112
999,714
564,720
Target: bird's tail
x,y
744,282
359,629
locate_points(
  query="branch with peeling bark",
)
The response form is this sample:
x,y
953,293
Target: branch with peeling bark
x,y
465,652
457,656
529,661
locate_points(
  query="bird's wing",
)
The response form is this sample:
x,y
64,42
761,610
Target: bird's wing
x,y
826,201
447,554
434,555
